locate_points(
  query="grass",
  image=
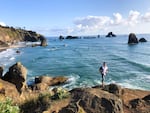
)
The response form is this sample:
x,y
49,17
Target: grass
x,y
37,105
8,107
60,93
43,101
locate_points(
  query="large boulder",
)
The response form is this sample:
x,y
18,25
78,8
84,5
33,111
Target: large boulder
x,y
140,105
8,90
93,100
132,39
17,75
113,88
135,100
142,40
51,81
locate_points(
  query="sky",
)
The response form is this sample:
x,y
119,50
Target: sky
x,y
77,17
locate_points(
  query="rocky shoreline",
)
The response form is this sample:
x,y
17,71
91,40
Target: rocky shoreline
x,y
9,37
38,97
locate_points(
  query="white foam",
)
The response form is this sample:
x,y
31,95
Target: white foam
x,y
147,77
29,43
12,58
128,85
7,57
52,49
71,81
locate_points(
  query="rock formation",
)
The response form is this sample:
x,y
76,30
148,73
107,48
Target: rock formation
x,y
132,39
108,99
44,82
43,41
17,75
110,34
1,71
72,37
8,89
51,81
93,100
142,40
61,37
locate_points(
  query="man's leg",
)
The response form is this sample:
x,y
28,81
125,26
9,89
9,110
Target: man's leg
x,y
102,80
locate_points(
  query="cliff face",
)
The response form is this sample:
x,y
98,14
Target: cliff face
x,y
10,35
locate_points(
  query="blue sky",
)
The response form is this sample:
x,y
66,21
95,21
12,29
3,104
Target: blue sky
x,y
77,17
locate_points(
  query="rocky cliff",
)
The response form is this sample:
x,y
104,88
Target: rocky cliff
x,y
108,99
10,35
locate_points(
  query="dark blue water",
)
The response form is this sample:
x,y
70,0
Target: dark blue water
x,y
79,59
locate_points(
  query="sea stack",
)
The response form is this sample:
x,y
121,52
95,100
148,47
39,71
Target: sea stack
x,y
142,40
110,34
132,39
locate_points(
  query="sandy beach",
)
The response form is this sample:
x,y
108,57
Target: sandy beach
x,y
11,46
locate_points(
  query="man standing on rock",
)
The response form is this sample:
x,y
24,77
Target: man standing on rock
x,y
103,70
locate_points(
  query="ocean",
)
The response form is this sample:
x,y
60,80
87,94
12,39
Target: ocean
x,y
80,59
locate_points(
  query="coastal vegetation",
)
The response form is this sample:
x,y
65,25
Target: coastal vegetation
x,y
6,106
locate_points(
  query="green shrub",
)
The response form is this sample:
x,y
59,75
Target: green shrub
x,y
60,94
7,107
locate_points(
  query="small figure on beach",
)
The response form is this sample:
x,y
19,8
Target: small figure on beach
x,y
103,70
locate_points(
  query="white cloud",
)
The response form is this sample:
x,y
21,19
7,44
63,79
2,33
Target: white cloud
x,y
133,22
94,24
117,19
134,17
91,23
62,31
146,17
2,24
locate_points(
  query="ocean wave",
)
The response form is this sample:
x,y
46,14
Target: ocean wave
x,y
57,47
71,82
53,49
133,62
7,57
129,85
12,58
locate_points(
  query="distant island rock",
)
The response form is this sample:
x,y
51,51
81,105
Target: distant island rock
x,y
72,37
61,37
110,34
132,39
68,37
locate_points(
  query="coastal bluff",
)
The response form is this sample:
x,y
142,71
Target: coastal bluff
x,y
111,98
10,36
